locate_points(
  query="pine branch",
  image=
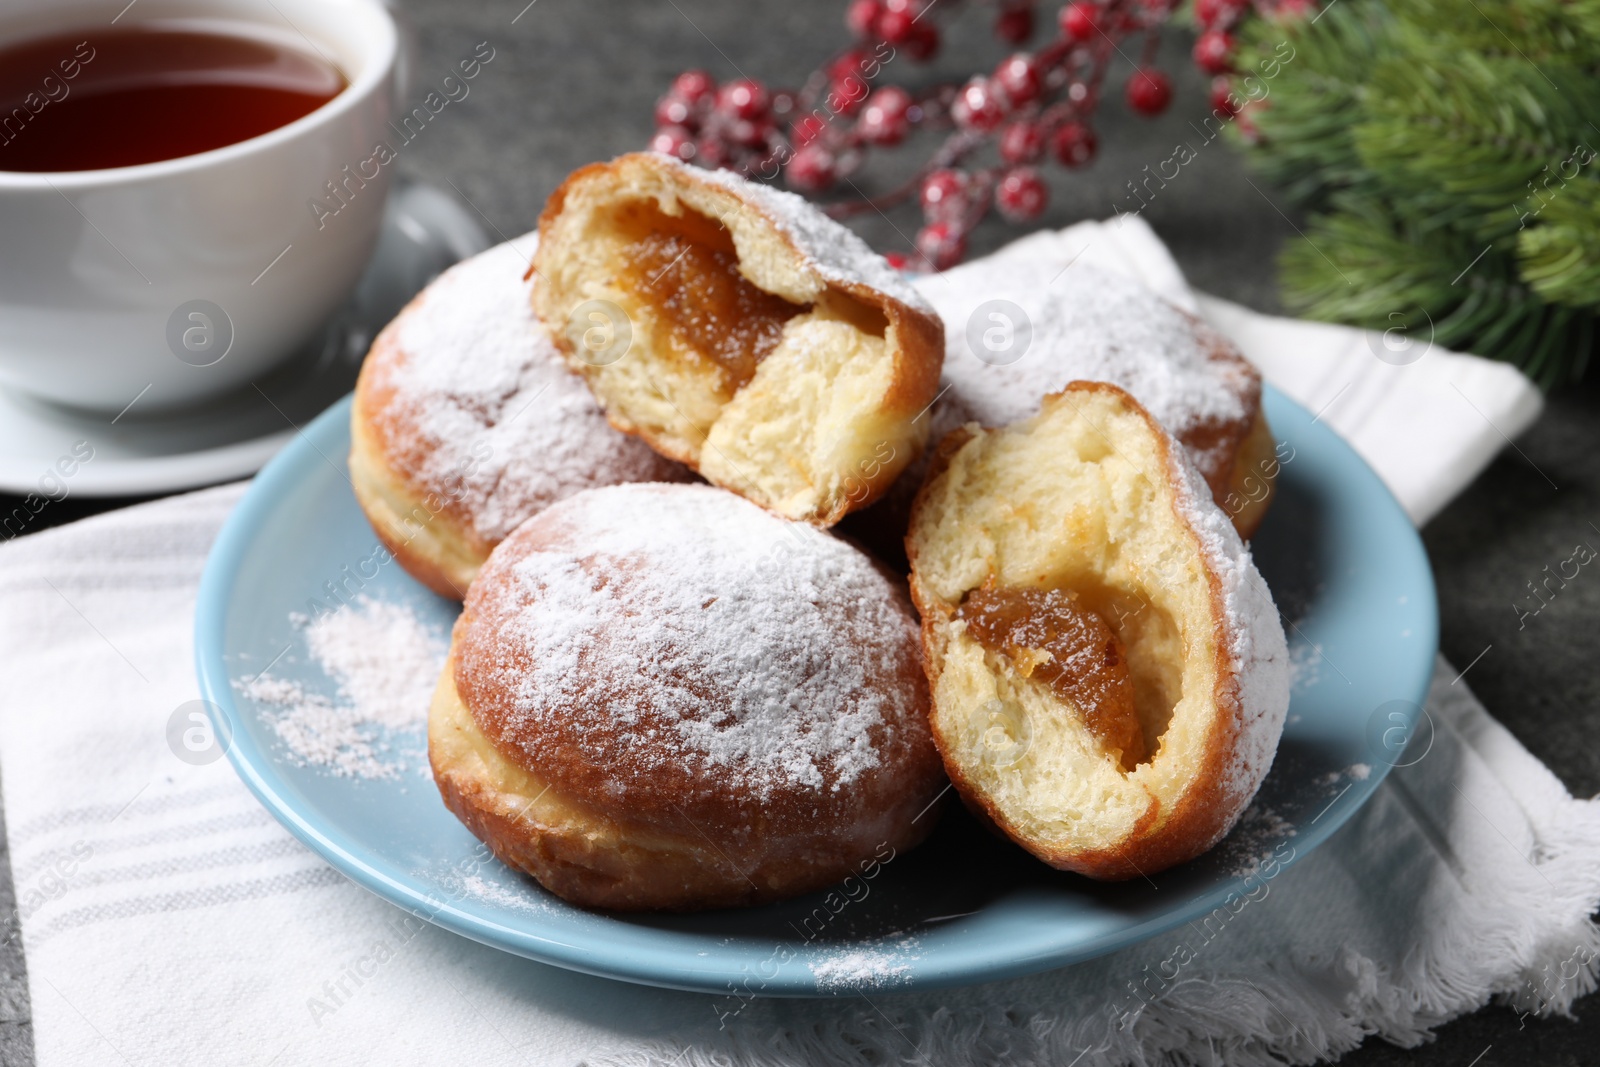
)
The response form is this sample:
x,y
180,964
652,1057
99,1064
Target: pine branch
x,y
1535,31
1456,140
1429,136
1310,107
1560,256
1362,265
1585,16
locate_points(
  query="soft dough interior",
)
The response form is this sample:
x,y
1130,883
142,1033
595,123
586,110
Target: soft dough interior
x,y
808,426
1076,498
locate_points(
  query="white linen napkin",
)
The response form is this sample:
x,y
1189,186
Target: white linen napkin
x,y
168,919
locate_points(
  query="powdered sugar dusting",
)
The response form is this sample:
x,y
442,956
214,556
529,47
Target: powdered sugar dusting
x,y
1256,647
498,421
872,965
384,662
834,251
1254,840
714,637
1082,324
527,898
1305,664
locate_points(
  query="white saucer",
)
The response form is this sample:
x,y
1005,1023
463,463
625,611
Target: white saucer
x,y
424,231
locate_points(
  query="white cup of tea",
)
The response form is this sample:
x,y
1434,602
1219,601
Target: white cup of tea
x,y
175,280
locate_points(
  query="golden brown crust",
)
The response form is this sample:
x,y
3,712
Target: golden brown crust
x,y
587,856
1252,479
1214,444
1207,808
1235,456
391,450
420,529
914,337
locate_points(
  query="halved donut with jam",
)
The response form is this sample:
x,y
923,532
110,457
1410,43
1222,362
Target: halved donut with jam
x,y
738,330
1108,671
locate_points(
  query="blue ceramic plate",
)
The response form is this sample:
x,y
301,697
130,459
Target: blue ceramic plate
x,y
1346,567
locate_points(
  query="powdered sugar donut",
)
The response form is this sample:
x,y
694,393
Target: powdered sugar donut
x,y
739,330
1109,674
466,422
665,697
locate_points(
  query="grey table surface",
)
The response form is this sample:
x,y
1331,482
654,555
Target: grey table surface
x,y
573,82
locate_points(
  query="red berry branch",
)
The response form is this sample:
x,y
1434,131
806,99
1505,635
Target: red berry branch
x,y
997,127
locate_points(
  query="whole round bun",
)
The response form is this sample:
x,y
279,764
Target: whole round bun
x,y
1124,717
664,697
739,331
466,422
1085,323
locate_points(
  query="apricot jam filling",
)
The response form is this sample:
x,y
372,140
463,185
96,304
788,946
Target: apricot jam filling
x,y
1053,638
685,268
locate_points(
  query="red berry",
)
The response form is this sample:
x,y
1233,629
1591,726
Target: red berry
x,y
862,17
752,133
673,141
1217,14
941,244
1022,194
923,43
743,99
1247,128
944,194
847,95
897,27
1073,144
1149,91
1213,52
808,129
1294,9
713,152
897,260
812,169
978,106
1014,24
849,64
1223,99
1018,77
1021,142
694,86
673,110
1080,21
885,121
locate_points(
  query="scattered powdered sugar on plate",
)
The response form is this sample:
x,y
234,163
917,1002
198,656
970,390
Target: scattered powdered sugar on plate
x,y
1305,664
527,898
384,662
1253,840
870,965
1358,772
